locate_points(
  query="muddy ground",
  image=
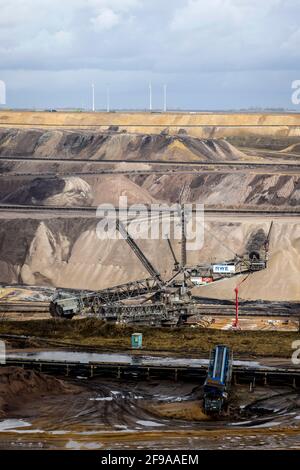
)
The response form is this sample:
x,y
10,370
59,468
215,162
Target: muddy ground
x,y
107,414
18,386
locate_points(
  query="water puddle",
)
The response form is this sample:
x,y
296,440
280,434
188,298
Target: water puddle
x,y
150,424
12,424
123,359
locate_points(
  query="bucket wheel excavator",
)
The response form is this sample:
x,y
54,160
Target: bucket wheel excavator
x,y
155,301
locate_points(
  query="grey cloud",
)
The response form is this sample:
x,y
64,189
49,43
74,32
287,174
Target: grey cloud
x,y
137,40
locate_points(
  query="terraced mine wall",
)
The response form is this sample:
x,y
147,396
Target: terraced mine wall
x,y
205,125
54,250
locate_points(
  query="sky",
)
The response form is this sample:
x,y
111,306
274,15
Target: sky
x,y
212,54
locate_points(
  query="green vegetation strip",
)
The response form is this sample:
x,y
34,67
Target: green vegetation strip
x,y
95,334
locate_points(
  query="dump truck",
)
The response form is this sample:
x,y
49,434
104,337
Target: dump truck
x,y
218,380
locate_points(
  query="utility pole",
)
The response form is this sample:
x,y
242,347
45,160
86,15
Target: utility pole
x,y
165,98
93,97
236,321
150,96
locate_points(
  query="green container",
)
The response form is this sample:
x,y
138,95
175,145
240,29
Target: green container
x,y
137,341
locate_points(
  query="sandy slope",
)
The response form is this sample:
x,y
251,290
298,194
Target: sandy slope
x,y
69,254
99,145
68,191
224,190
280,281
108,189
239,189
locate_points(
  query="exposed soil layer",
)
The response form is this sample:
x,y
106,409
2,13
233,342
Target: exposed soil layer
x,y
140,119
280,143
113,146
235,190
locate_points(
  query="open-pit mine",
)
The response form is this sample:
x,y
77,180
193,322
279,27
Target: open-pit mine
x,y
70,300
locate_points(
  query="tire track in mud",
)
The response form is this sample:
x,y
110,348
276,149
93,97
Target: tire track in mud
x,y
115,415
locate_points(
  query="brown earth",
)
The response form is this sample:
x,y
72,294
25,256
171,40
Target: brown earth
x,y
18,386
191,410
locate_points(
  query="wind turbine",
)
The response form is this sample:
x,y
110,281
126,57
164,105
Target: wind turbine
x,y
93,97
165,97
108,99
150,96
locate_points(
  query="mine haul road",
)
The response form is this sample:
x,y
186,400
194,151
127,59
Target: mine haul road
x,y
214,212
282,165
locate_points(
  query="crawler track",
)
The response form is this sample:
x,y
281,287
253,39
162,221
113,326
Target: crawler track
x,y
212,309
